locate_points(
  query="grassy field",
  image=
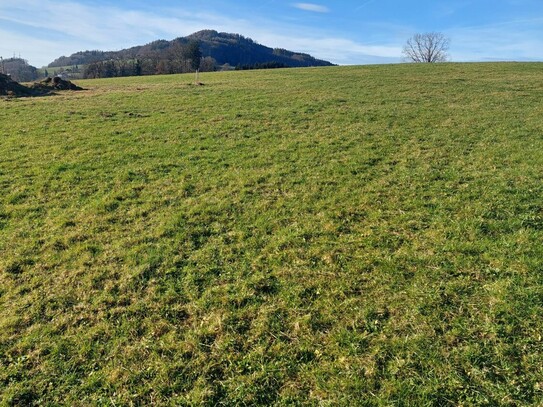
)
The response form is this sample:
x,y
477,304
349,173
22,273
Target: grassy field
x,y
51,71
347,236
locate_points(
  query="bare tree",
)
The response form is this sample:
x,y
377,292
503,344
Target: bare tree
x,y
428,47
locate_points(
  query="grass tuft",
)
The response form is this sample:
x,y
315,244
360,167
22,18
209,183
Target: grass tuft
x,y
337,236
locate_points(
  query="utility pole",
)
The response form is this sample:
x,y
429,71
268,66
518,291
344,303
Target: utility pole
x,y
2,65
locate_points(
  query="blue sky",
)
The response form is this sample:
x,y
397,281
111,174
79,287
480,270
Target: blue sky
x,y
344,32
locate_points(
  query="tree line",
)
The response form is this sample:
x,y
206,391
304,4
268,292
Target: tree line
x,y
178,58
162,57
264,65
19,69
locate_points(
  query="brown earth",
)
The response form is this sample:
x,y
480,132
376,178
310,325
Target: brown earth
x,y
10,88
55,83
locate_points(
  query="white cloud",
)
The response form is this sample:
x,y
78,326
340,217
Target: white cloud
x,y
316,8
65,27
338,50
39,51
511,40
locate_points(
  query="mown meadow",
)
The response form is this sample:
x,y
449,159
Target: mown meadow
x,y
346,236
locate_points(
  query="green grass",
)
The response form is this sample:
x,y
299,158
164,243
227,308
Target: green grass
x,y
331,237
51,70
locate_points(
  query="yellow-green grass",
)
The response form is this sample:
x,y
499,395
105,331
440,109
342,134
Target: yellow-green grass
x,y
334,236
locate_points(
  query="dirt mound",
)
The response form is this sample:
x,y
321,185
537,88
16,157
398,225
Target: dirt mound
x,y
8,87
55,83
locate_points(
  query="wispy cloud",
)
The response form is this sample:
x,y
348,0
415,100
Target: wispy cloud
x,y
344,51
366,3
506,40
316,8
63,27
74,26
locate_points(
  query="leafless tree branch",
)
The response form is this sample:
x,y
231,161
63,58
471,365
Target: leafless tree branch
x,y
428,47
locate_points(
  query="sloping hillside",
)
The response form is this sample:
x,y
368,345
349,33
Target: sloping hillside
x,y
235,49
232,49
276,238
19,69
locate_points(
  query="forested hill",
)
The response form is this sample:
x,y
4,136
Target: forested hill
x,y
223,48
235,50
19,69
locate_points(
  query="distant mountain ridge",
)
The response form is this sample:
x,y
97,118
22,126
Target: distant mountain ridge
x,y
223,48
